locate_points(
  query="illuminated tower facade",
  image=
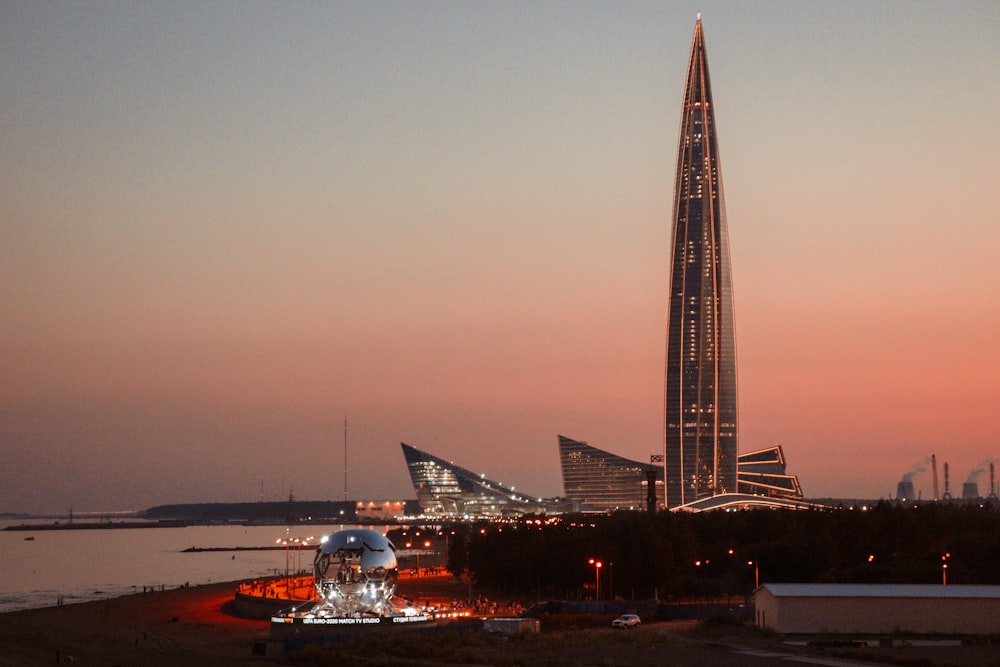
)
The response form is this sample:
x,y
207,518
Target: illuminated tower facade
x,y
700,396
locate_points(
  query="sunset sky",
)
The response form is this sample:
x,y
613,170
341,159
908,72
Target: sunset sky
x,y
226,225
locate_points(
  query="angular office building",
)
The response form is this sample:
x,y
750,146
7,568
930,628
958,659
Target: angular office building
x,y
446,490
700,393
762,473
598,481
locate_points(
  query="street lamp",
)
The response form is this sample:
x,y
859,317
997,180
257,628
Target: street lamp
x,y
756,573
597,577
285,543
409,545
611,580
944,569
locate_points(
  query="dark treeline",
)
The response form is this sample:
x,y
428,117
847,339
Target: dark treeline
x,y
682,555
286,511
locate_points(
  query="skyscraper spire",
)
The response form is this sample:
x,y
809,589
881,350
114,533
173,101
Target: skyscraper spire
x,y
700,392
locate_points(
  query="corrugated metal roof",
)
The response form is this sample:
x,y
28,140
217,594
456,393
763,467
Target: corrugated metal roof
x,y
882,590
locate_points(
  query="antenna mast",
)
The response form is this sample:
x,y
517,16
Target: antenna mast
x,y
345,457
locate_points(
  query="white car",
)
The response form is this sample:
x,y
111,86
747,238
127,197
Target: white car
x,y
626,621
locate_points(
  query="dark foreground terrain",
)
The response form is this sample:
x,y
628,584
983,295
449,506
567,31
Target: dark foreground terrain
x,y
193,626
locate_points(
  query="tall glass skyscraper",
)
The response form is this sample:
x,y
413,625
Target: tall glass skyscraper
x,y
700,395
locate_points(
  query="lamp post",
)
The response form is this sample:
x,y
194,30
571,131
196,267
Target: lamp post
x,y
409,545
611,581
285,543
597,577
756,573
306,543
944,569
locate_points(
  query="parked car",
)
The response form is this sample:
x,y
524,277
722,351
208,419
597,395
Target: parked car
x,y
626,621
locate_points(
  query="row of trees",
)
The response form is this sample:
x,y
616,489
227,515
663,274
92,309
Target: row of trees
x,y
681,555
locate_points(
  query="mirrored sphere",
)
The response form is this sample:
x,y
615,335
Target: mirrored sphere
x,y
355,572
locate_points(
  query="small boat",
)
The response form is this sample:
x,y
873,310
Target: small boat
x,y
29,538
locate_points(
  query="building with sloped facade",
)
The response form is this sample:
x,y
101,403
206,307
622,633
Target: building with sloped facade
x,y
446,490
597,480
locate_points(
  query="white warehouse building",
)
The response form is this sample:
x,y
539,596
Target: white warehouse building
x,y
878,609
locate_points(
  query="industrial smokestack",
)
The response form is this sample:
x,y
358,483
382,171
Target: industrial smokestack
x,y
993,488
914,470
970,491
905,490
977,472
947,484
934,469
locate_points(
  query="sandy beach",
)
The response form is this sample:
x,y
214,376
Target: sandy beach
x,y
172,627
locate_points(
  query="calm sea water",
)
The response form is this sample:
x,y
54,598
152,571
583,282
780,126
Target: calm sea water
x,y
81,565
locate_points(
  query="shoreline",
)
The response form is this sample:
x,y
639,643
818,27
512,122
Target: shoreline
x,y
184,625
193,624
